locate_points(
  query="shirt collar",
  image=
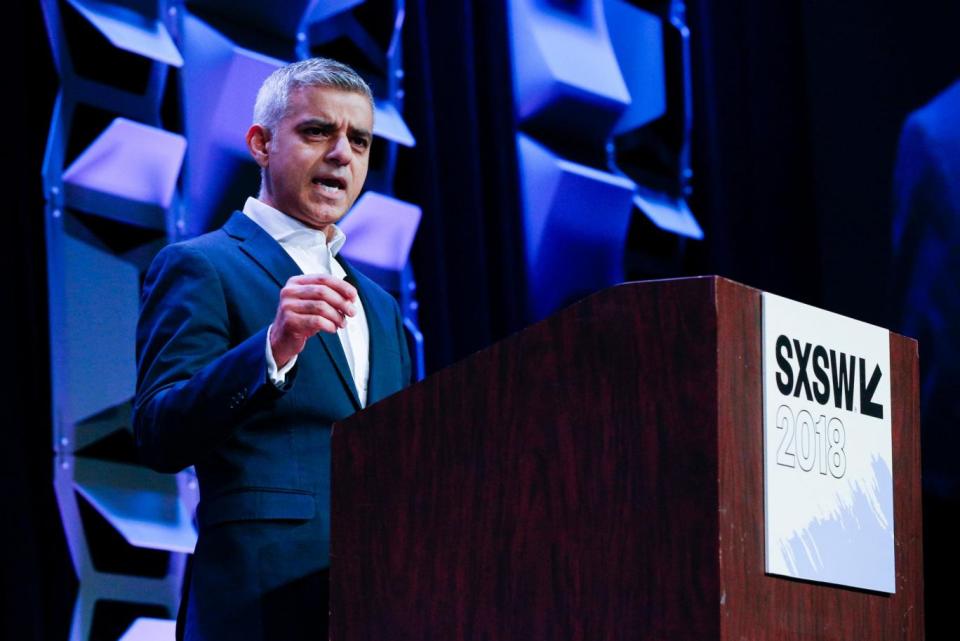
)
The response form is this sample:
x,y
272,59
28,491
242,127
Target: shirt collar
x,y
283,228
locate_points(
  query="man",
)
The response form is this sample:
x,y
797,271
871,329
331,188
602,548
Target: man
x,y
926,300
252,341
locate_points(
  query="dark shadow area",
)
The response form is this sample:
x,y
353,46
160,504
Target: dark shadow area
x,y
38,579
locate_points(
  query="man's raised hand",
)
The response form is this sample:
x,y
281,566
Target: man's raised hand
x,y
309,303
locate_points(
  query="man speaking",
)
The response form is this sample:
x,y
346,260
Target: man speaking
x,y
252,341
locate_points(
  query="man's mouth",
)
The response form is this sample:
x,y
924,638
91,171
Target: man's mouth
x,y
330,185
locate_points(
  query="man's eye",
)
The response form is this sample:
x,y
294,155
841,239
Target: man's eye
x,y
361,142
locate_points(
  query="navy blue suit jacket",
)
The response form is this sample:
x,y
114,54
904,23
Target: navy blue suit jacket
x,y
262,454
926,278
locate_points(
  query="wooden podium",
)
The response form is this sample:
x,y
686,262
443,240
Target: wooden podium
x,y
597,476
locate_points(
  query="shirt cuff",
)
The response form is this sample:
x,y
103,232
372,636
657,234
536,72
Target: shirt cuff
x,y
277,376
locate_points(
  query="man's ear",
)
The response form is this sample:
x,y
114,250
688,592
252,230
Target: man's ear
x,y
258,140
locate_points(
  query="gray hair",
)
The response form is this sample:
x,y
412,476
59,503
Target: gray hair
x,y
273,99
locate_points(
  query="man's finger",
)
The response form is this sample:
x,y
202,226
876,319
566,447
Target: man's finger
x,y
317,308
309,324
321,293
344,288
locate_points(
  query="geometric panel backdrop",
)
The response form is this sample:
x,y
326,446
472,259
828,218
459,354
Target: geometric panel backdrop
x,y
651,142
146,146
570,250
601,91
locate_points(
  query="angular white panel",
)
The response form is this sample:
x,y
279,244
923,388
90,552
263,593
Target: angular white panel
x,y
143,505
145,629
389,124
668,213
380,231
130,160
128,30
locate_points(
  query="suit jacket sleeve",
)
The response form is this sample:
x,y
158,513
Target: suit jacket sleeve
x,y
195,381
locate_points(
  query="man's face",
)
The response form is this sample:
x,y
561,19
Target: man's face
x,y
316,160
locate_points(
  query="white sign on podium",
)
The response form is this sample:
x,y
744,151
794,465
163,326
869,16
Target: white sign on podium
x,y
828,482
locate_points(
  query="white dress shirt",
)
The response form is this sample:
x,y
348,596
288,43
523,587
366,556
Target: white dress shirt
x,y
314,254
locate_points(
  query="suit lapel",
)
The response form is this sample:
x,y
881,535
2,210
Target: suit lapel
x,y
376,384
331,342
262,248
267,252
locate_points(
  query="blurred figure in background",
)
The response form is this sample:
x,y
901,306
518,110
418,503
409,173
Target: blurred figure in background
x,y
926,299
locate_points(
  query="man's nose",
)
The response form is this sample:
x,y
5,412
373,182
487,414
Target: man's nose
x,y
339,152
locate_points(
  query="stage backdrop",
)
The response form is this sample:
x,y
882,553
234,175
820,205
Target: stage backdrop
x,y
146,147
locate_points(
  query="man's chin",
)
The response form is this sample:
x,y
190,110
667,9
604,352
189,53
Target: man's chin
x,y
320,219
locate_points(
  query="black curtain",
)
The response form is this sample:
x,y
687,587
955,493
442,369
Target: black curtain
x,y
467,256
751,156
38,578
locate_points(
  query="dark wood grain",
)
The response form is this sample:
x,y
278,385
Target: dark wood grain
x,y
762,607
596,476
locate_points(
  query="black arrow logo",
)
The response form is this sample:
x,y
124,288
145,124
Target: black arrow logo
x,y
867,406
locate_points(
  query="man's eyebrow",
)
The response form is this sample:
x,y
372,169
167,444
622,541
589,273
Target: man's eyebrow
x,y
326,124
359,131
314,122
